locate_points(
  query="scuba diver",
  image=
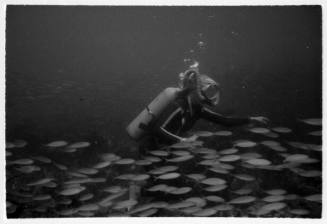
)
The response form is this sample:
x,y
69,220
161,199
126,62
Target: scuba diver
x,y
175,111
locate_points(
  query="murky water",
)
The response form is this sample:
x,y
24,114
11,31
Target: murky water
x,y
76,76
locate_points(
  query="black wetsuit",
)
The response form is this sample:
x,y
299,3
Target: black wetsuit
x,y
179,117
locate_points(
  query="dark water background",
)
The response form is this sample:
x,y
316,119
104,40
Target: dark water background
x,y
81,71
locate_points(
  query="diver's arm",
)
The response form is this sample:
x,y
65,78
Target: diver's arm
x,y
163,133
220,119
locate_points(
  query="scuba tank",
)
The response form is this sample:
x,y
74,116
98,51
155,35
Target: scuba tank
x,y
139,126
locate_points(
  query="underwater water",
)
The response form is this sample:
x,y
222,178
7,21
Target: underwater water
x,y
76,77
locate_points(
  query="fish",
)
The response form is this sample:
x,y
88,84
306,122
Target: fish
x,y
258,162
217,169
179,205
87,171
125,204
69,150
159,187
298,145
141,208
259,130
40,209
266,209
223,133
88,207
271,135
181,190
196,176
60,166
148,213
273,198
213,181
243,191
78,145
314,147
20,143
101,165
278,148
163,169
110,157
86,197
56,144
229,158
225,166
125,161
197,201
205,212
8,153
140,177
65,201
28,169
182,145
50,185
270,143
282,130
214,198
153,159
42,159
315,133
209,162
314,198
114,189
311,173
243,200
216,188
10,145
72,191
143,162
75,174
244,144
42,197
203,133
25,161
85,213
228,151
211,156
191,210
296,158
204,151
168,176
41,182
312,121
180,153
127,176
244,177
159,153
223,207
299,211
180,158
67,212
107,201
276,192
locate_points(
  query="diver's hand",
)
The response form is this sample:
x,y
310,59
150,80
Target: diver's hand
x,y
190,139
260,119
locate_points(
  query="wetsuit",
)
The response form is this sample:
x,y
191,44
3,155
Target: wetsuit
x,y
179,117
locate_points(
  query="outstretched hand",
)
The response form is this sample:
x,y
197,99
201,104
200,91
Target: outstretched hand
x,y
190,139
260,119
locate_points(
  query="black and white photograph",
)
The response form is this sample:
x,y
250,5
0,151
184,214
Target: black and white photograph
x,y
163,111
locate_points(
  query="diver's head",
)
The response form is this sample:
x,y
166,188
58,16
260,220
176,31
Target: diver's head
x,y
208,90
202,88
